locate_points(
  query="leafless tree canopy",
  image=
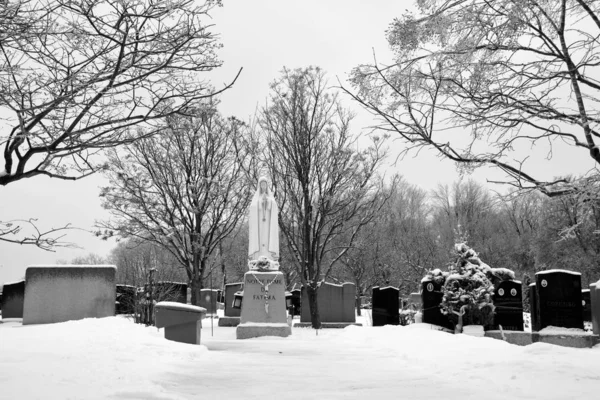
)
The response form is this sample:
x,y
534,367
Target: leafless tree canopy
x,y
476,79
79,76
325,185
184,189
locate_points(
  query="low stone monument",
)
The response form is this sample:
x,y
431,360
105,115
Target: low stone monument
x,y
182,322
336,305
263,305
232,314
431,296
208,300
508,302
595,300
586,304
13,294
559,299
59,293
385,306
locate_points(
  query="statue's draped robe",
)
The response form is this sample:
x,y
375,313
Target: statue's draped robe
x,y
263,227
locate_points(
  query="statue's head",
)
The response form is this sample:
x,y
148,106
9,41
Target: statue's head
x,y
263,185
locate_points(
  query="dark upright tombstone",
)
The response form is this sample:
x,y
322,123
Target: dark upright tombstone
x,y
508,300
431,295
559,299
230,290
386,306
296,301
13,295
208,300
125,299
534,316
586,303
595,300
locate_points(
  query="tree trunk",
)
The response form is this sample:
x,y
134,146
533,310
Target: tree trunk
x,y
196,287
358,305
314,308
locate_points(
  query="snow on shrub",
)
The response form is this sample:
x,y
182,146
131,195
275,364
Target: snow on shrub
x,y
468,287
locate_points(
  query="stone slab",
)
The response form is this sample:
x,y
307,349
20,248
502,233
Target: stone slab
x,y
336,303
559,301
59,293
249,331
229,321
13,296
327,325
208,300
595,300
385,306
230,290
526,338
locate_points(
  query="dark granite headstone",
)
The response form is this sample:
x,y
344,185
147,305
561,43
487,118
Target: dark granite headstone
x,y
508,300
296,301
386,306
230,290
13,295
125,302
431,298
595,300
535,318
559,299
586,303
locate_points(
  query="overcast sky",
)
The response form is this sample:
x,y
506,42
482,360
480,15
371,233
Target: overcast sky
x,y
262,37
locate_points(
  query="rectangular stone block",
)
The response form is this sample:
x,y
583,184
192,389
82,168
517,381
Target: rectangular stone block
x,y
386,306
182,322
260,305
595,300
126,296
586,304
296,302
230,290
559,299
431,295
335,302
13,295
58,293
508,300
208,300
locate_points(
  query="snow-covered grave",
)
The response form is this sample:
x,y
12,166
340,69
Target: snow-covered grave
x,y
115,358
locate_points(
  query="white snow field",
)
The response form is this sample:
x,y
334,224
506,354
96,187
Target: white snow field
x,y
113,358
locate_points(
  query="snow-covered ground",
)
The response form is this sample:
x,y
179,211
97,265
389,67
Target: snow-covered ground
x,y
114,358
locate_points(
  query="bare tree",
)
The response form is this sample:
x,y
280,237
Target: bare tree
x,y
79,76
183,190
326,187
477,79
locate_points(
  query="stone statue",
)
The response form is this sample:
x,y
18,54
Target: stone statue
x,y
263,238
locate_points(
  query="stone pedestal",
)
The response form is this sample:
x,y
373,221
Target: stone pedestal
x,y
182,322
263,312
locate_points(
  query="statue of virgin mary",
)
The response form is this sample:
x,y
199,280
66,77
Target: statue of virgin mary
x,y
262,220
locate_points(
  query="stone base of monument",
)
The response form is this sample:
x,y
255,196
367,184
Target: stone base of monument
x,y
327,325
229,321
253,330
583,340
263,306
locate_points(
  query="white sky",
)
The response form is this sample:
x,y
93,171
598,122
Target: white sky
x,y
262,37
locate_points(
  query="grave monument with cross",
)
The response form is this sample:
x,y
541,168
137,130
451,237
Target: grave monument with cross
x,y
263,303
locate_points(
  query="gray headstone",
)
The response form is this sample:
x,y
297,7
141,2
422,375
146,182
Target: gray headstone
x,y
335,302
58,293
